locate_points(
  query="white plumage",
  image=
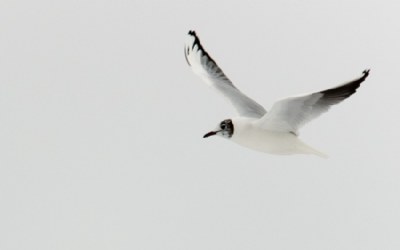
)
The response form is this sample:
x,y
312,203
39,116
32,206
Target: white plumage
x,y
274,131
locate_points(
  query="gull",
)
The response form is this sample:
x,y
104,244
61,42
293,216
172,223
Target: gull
x,y
273,132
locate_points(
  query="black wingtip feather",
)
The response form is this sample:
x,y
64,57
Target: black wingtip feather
x,y
196,39
199,46
340,93
365,74
186,52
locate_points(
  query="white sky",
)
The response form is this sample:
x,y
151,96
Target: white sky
x,y
101,126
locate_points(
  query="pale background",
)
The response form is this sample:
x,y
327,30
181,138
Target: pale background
x,y
101,126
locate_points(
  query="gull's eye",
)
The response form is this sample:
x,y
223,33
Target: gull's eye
x,y
222,125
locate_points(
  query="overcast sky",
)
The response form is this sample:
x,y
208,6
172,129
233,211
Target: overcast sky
x,y
102,121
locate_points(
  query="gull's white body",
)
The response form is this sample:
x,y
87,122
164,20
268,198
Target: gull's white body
x,y
275,131
250,134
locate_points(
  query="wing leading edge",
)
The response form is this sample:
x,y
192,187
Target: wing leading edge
x,y
204,66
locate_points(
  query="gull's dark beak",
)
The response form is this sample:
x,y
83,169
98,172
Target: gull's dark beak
x,y
209,134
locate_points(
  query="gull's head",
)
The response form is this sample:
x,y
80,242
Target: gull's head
x,y
224,129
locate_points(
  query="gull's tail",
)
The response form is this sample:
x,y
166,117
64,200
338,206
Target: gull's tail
x,y
320,154
305,149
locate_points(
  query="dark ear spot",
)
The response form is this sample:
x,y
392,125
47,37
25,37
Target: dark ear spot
x,y
228,127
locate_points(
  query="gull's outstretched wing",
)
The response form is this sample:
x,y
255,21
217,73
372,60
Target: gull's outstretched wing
x,y
204,66
289,114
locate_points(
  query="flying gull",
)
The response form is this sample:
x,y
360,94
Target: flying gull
x,y
276,131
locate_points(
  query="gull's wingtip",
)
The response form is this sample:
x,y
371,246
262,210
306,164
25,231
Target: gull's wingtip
x,y
192,37
191,41
366,72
